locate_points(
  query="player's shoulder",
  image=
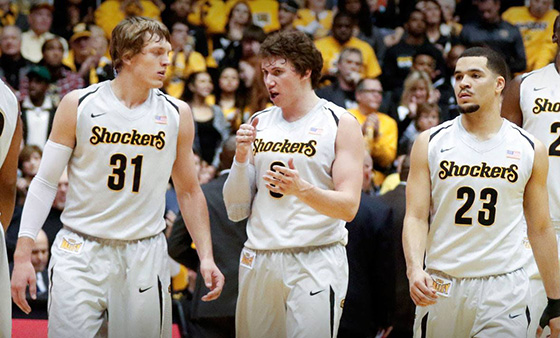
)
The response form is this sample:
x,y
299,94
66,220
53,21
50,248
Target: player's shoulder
x,y
439,131
537,73
83,95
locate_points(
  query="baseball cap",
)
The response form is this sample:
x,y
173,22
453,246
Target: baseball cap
x,y
39,5
289,5
39,72
79,31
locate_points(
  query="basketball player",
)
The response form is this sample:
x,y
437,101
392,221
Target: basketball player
x,y
481,174
10,141
121,140
532,101
297,176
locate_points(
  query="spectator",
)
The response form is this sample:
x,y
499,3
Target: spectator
x,y
349,72
37,109
208,15
380,130
227,50
437,31
230,96
263,12
63,80
211,126
215,319
287,14
12,63
28,164
184,59
10,14
369,301
40,21
69,13
250,74
110,13
448,100
398,59
491,31
315,19
536,25
427,117
39,260
403,321
181,10
84,59
331,46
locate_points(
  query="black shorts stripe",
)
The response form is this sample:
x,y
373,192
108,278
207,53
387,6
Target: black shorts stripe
x,y
424,326
50,289
528,314
437,131
88,94
160,292
525,136
332,303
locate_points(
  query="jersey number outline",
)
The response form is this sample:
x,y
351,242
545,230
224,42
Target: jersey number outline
x,y
486,215
281,164
116,180
554,149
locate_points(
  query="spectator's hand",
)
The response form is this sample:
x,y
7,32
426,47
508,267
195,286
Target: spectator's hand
x,y
286,180
213,279
370,128
23,275
244,139
434,96
412,107
421,288
22,185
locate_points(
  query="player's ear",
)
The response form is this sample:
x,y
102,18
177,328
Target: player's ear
x,y
307,74
500,84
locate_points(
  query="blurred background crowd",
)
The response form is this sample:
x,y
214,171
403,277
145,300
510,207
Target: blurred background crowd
x,y
388,62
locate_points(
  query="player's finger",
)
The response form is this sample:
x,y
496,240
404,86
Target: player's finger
x,y
291,164
539,331
33,288
19,298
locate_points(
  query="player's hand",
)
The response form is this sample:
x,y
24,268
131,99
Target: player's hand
x,y
421,288
23,275
285,180
550,317
213,279
244,139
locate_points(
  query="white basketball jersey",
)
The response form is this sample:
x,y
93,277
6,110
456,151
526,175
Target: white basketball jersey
x,y
281,222
9,112
121,164
477,199
540,104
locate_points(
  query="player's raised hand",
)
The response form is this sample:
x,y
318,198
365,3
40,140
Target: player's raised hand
x,y
244,139
550,317
286,180
421,288
23,275
213,279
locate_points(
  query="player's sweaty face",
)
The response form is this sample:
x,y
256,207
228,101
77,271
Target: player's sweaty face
x,y
151,63
281,79
475,84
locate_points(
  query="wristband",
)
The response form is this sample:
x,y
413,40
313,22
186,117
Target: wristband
x,y
551,311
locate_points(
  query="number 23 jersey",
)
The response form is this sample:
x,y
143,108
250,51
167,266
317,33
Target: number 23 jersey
x,y
477,199
283,221
121,164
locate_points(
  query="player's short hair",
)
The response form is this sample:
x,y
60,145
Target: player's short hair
x,y
131,35
495,62
296,47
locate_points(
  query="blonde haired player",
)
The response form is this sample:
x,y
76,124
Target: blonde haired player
x,y
10,141
121,140
480,174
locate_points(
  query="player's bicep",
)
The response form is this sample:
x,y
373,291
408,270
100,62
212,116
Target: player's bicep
x,y
511,108
348,163
65,119
418,186
184,171
535,199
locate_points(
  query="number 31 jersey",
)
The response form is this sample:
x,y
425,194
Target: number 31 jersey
x,y
477,199
121,164
540,104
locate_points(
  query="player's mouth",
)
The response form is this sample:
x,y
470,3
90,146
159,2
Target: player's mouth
x,y
464,95
273,95
161,73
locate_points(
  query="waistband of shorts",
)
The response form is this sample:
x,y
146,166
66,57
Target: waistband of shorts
x,y
304,249
444,275
108,241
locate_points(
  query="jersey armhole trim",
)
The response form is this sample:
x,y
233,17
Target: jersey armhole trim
x,y
437,131
168,100
526,137
259,113
336,119
86,95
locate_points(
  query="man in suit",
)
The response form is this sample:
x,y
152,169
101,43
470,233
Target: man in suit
x,y
217,318
369,302
404,307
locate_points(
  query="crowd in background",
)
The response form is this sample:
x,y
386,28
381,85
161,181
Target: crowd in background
x,y
388,62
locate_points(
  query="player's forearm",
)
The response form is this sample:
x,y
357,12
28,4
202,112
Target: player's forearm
x,y
337,204
195,213
415,233
23,251
239,191
545,250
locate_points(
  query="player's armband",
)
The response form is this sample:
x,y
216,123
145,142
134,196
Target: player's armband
x,y
239,190
42,190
